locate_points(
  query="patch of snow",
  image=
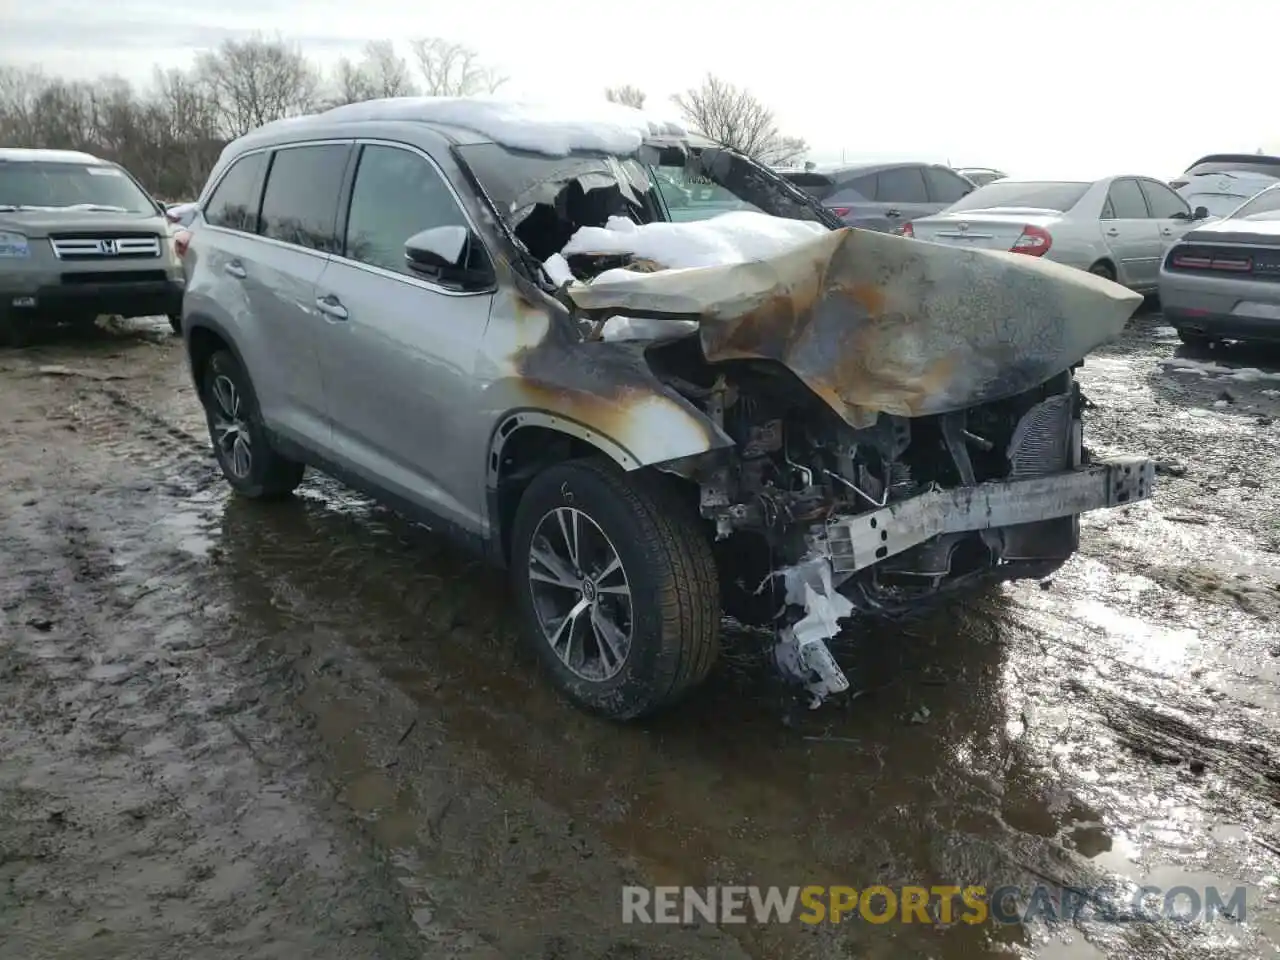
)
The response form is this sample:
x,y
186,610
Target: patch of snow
x,y
1203,367
736,237
557,268
553,129
645,328
1270,393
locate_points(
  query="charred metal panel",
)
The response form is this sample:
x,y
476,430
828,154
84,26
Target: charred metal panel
x,y
600,389
876,323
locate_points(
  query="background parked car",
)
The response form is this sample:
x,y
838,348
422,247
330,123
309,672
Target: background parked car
x,y
1221,182
883,196
981,176
1116,227
1219,281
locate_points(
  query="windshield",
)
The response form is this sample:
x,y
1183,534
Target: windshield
x,y
691,195
26,183
1268,168
1040,195
1262,207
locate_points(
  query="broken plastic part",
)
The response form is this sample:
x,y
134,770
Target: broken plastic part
x,y
802,653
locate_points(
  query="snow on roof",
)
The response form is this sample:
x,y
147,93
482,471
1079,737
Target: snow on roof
x,y
23,155
735,237
554,129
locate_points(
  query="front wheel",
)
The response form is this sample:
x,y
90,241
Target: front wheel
x,y
240,441
616,588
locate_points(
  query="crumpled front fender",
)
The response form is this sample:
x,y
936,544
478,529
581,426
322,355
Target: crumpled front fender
x,y
877,323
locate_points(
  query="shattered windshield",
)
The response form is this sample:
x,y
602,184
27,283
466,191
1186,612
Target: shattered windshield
x,y
545,200
36,184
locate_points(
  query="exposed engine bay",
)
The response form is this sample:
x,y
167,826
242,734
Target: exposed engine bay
x,y
830,502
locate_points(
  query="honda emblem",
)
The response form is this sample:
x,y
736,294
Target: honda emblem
x,y
107,248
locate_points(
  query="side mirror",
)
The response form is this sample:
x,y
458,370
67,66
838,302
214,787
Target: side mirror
x,y
1201,213
446,254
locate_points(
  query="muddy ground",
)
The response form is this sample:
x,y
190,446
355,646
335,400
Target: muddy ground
x,y
306,730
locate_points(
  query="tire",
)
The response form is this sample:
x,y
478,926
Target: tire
x,y
233,414
175,323
1197,341
1103,270
673,613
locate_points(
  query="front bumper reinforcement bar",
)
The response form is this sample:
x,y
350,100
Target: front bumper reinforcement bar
x,y
857,542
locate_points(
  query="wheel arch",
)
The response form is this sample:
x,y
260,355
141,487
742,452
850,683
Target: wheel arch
x,y
203,337
526,442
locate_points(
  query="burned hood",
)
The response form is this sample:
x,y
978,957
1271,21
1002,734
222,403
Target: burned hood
x,y
876,323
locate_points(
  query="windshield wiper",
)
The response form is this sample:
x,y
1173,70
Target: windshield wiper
x,y
96,208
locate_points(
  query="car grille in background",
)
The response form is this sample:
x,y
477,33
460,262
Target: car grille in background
x,y
105,246
114,276
1041,441
1258,263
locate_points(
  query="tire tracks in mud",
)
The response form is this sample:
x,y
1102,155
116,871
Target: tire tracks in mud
x,y
138,816
234,742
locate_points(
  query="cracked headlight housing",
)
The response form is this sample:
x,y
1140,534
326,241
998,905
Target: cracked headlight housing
x,y
13,246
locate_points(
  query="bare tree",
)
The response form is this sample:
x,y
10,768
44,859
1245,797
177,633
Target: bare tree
x,y
732,116
627,95
381,72
451,70
256,81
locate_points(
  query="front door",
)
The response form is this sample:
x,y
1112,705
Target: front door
x,y
399,351
1131,235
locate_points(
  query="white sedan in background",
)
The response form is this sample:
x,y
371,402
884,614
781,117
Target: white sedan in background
x,y
1116,227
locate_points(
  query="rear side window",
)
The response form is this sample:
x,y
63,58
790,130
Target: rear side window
x,y
234,203
396,195
1163,202
301,200
1035,194
864,186
816,185
945,186
1126,201
901,185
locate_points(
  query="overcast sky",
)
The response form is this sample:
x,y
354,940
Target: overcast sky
x,y
1079,88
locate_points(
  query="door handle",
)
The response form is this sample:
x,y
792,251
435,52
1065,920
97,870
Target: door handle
x,y
236,269
331,306
1113,232
892,213
1167,232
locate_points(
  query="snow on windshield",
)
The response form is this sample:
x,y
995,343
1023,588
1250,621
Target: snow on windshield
x,y
540,127
735,237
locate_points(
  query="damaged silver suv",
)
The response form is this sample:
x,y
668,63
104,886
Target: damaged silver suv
x,y
483,315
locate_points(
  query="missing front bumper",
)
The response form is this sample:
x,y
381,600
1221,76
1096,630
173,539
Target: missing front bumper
x,y
854,543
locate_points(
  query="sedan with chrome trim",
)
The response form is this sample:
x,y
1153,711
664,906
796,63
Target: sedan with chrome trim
x,y
1116,227
1222,280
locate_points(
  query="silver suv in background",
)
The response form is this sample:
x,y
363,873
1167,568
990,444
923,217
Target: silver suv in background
x,y
79,238
409,296
883,196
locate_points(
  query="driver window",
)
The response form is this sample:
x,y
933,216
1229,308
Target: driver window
x,y
1164,203
1126,202
396,194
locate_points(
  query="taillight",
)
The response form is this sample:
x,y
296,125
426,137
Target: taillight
x,y
181,240
840,211
1191,261
1034,242
908,230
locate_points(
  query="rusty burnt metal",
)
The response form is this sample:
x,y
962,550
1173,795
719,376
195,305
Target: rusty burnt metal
x,y
876,323
605,386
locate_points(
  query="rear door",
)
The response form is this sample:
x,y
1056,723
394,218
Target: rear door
x,y
400,350
297,234
1131,234
902,196
1170,212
